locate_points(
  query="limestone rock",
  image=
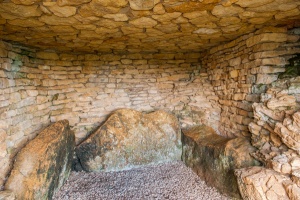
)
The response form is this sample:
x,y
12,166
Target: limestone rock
x,y
20,10
7,195
143,22
214,157
130,138
252,3
283,101
43,165
71,2
289,131
258,183
141,4
65,11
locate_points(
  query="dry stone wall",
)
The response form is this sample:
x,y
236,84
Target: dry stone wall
x,y
275,132
41,87
24,104
240,71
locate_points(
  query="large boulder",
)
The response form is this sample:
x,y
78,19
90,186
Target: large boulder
x,y
130,138
43,165
214,157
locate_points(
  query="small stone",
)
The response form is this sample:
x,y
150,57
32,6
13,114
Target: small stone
x,y
143,22
141,4
65,11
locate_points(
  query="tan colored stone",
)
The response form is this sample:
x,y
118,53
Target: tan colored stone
x,y
221,11
185,7
288,14
258,183
252,3
117,17
195,14
206,31
157,133
143,22
234,73
50,152
228,2
110,3
47,55
159,9
7,195
25,23
266,37
25,2
141,4
167,17
20,10
65,11
55,20
72,2
226,21
92,10
283,101
130,30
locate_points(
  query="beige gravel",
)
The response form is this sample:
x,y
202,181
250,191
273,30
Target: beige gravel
x,y
161,181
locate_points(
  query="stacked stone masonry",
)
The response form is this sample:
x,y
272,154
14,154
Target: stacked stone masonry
x,y
275,133
240,71
42,87
139,25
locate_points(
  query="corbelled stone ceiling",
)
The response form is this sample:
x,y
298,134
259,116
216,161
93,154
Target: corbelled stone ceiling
x,y
138,25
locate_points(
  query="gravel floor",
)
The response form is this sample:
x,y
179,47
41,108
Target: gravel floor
x,y
161,181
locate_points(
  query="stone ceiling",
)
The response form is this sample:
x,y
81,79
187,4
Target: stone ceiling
x,y
138,25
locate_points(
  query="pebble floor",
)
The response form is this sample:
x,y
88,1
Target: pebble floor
x,y
160,181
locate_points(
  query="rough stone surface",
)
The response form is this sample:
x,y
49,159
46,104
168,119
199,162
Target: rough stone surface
x,y
7,195
242,69
275,132
184,26
43,165
130,138
214,157
258,183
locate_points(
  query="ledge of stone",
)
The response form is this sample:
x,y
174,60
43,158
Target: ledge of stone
x,y
214,157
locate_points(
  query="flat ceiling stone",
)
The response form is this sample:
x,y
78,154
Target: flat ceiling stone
x,y
138,25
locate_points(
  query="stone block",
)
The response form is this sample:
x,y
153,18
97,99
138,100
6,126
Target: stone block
x,y
266,37
47,55
43,165
214,157
266,78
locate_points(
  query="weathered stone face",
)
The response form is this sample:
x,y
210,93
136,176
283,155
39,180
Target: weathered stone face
x,y
275,132
214,157
130,138
43,164
206,23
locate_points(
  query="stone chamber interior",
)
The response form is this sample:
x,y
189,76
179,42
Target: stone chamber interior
x,y
226,70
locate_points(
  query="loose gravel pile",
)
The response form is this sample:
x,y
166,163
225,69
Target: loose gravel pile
x,y
161,181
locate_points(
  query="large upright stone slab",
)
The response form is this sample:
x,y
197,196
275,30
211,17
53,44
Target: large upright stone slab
x,y
214,157
43,165
130,138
